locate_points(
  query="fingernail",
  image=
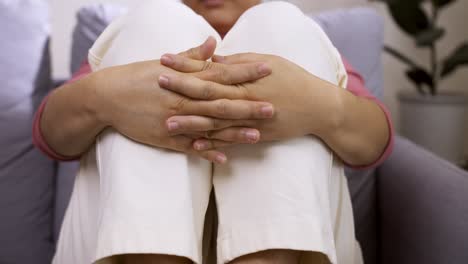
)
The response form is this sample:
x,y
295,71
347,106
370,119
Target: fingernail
x,y
163,81
221,159
200,146
267,111
209,38
167,60
252,136
173,126
263,69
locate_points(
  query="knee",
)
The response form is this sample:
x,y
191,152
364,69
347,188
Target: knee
x,y
275,12
276,16
279,7
276,256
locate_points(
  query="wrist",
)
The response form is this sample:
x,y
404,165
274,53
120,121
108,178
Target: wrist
x,y
329,109
94,105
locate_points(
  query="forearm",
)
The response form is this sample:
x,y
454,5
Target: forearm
x,y
356,128
69,122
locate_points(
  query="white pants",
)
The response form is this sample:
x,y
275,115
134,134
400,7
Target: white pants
x,y
131,198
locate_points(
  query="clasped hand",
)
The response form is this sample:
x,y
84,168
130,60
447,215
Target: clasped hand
x,y
185,103
300,99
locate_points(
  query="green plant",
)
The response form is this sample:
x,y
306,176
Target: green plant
x,y
418,18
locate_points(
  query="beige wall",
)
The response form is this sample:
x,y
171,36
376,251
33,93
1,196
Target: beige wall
x,y
63,18
454,18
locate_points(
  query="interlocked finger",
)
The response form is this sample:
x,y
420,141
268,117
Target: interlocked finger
x,y
192,124
228,109
185,144
217,72
202,52
196,88
202,145
240,135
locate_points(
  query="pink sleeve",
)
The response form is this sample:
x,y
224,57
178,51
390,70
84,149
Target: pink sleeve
x,y
38,139
357,87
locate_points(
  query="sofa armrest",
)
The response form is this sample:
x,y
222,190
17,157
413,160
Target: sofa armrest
x,y
423,207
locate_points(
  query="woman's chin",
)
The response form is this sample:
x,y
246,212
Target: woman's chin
x,y
221,27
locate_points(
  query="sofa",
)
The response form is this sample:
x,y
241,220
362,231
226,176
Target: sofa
x,y
411,209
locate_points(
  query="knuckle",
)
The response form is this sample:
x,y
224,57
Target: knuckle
x,y
180,62
208,135
216,124
218,74
243,92
223,75
207,65
178,106
207,92
222,107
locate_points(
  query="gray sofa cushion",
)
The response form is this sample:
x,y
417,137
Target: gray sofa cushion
x,y
424,208
358,35
26,176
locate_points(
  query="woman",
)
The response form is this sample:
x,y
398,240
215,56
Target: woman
x,y
292,208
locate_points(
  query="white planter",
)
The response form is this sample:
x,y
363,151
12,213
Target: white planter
x,y
436,123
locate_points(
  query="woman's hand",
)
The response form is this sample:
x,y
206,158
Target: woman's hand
x,y
302,101
129,99
355,128
141,112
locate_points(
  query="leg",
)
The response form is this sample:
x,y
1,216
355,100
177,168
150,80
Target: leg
x,y
136,201
283,202
278,256
146,259
177,186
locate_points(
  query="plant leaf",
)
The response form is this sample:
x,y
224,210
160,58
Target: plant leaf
x,y
429,37
441,3
409,16
400,56
458,58
421,77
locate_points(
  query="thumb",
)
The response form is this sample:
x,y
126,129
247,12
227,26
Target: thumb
x,y
202,52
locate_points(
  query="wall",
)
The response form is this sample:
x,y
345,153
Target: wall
x,y
453,18
63,20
